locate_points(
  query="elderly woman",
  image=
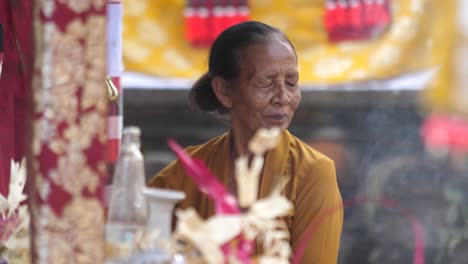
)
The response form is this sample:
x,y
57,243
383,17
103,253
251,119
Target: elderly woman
x,y
253,78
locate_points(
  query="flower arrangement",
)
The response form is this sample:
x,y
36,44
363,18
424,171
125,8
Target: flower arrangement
x,y
230,235
14,218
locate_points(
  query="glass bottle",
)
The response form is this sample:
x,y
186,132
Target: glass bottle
x,y
128,210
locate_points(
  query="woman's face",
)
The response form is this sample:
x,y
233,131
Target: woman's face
x,y
266,93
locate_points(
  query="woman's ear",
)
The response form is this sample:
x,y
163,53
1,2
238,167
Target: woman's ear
x,y
221,90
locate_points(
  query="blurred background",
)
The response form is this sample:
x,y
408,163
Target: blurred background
x,y
385,95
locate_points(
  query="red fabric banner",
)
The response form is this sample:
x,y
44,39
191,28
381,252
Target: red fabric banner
x,y
15,77
68,161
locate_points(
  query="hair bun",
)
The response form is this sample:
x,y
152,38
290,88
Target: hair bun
x,y
203,98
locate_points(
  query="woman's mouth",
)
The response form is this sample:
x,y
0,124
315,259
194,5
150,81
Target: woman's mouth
x,y
278,119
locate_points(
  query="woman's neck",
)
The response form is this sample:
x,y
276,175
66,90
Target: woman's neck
x,y
240,138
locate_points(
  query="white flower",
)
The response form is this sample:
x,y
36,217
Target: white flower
x,y
248,179
15,192
208,235
264,140
248,176
4,205
18,240
271,207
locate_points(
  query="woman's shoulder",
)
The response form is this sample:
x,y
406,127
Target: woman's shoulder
x,y
175,170
199,151
304,154
310,164
313,169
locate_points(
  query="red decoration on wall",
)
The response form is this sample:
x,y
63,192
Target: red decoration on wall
x,y
355,16
219,16
446,132
356,20
206,19
190,21
242,11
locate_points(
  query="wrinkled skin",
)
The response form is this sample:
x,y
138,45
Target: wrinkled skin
x,y
266,92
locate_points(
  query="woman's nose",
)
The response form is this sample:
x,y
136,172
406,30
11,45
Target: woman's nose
x,y
282,96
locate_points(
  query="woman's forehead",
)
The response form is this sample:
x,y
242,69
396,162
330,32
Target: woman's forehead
x,y
268,57
269,50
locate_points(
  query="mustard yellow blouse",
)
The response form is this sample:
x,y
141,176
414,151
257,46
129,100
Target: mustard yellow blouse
x,y
307,178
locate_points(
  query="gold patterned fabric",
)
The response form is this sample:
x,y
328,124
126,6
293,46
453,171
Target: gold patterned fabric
x,y
69,132
450,92
419,38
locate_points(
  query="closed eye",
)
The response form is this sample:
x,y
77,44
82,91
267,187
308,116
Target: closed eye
x,y
292,78
265,84
291,84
